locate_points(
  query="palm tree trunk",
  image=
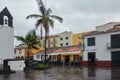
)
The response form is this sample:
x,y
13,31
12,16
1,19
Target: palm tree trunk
x,y
28,57
41,32
45,45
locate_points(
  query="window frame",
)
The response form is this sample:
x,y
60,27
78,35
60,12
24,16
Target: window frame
x,y
91,41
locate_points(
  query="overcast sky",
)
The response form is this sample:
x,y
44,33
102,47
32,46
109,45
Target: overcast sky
x,y
78,15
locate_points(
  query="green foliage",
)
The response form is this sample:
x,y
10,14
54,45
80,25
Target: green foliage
x,y
42,66
45,19
30,40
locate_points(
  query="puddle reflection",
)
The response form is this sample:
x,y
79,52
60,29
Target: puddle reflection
x,y
66,73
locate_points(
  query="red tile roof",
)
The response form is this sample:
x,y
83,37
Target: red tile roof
x,y
66,49
101,32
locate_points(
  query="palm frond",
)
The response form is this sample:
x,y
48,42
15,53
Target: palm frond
x,y
20,38
49,11
33,16
28,37
51,23
33,33
39,22
42,10
57,17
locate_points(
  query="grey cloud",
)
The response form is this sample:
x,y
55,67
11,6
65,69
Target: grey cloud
x,y
78,15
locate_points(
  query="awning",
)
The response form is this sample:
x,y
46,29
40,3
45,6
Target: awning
x,y
66,53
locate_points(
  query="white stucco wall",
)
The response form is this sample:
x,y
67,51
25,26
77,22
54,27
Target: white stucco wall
x,y
6,42
100,48
40,54
63,35
35,57
16,65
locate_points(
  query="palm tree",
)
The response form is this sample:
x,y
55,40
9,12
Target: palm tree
x,y
30,40
45,20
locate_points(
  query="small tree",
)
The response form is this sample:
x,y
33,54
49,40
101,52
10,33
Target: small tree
x,y
30,40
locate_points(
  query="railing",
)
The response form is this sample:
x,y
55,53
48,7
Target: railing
x,y
109,45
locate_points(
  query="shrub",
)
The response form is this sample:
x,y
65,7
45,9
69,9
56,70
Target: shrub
x,y
42,66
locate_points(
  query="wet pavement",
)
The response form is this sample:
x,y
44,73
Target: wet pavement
x,y
66,73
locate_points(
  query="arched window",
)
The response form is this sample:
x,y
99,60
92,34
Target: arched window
x,y
5,21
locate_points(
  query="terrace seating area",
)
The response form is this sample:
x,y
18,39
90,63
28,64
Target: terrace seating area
x,y
69,55
63,63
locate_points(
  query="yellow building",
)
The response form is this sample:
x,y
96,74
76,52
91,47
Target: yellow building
x,y
33,51
78,38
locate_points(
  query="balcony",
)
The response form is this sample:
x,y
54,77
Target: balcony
x,y
112,46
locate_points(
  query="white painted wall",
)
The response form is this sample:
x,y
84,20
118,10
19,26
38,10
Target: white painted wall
x,y
102,53
35,57
40,54
6,42
64,35
16,65
19,52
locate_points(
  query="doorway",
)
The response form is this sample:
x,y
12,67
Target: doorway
x,y
67,59
59,57
91,57
115,57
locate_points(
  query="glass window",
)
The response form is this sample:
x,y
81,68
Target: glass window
x,y
66,44
66,37
115,41
5,21
48,40
38,57
54,45
54,39
42,57
76,58
20,51
91,41
61,38
61,44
